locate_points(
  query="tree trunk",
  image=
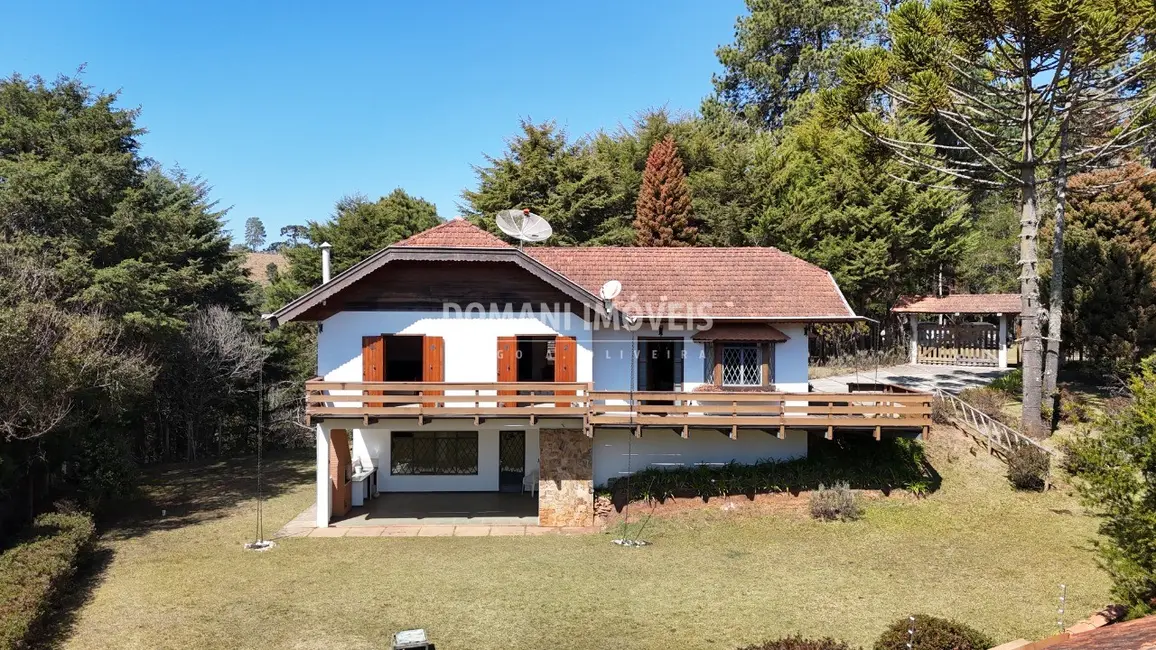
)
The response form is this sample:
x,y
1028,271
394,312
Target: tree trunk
x,y
1032,353
1056,293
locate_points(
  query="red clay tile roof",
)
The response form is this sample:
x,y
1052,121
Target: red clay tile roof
x,y
455,233
762,283
963,303
1139,634
720,282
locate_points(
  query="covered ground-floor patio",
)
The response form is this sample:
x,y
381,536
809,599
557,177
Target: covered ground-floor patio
x,y
433,514
444,508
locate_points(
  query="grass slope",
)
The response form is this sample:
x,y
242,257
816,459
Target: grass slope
x,y
975,551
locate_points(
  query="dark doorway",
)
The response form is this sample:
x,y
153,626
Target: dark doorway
x,y
536,358
660,367
511,460
403,358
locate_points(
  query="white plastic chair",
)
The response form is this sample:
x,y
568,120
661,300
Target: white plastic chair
x,y
530,482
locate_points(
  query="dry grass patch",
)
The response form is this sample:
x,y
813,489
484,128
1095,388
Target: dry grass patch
x,y
974,551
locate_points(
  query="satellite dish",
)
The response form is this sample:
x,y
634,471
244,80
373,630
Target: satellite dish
x,y
610,290
523,225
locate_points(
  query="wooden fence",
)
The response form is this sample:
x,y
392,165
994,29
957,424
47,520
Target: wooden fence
x,y
962,344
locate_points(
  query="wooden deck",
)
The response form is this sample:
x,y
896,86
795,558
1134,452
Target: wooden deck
x,y
873,411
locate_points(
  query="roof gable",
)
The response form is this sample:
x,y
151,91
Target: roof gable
x,y
752,283
455,233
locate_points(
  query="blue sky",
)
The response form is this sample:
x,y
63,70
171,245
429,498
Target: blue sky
x,y
285,107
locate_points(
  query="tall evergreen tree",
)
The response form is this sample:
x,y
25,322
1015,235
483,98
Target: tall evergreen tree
x,y
358,228
1111,292
786,49
663,212
1028,92
545,172
254,233
881,229
130,254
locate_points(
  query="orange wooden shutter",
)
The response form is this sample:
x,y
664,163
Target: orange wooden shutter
x,y
433,363
507,364
373,363
340,472
565,364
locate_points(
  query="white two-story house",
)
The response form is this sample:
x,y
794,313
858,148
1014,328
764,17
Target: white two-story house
x,y
455,362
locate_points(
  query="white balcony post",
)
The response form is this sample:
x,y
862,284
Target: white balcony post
x,y
1003,340
914,338
324,493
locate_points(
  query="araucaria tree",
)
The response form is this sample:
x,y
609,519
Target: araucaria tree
x,y
254,233
662,214
1015,94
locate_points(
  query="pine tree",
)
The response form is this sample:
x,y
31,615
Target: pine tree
x,y
1111,293
662,214
254,233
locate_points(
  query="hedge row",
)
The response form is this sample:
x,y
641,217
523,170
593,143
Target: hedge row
x,y
35,569
931,633
861,462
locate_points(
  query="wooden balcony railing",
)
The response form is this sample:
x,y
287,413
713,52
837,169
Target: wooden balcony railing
x,y
874,411
386,399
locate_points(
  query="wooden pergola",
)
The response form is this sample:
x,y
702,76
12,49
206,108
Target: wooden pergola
x,y
960,343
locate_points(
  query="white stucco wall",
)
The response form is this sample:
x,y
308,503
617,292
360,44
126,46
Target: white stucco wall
x,y
373,445
665,448
615,353
471,340
791,359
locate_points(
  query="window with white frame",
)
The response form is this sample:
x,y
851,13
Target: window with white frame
x,y
740,365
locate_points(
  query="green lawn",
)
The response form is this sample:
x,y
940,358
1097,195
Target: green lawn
x,y
974,550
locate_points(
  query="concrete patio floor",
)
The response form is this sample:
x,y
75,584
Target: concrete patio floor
x,y
428,514
919,377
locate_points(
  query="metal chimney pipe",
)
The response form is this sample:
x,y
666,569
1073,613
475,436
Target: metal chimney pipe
x,y
325,248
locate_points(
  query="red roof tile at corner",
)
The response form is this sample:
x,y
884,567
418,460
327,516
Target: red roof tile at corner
x,y
456,233
963,303
736,282
1139,634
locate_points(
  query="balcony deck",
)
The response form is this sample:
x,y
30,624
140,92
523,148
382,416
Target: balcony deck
x,y
868,411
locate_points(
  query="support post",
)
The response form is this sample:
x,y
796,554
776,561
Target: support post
x,y
914,338
324,492
1003,341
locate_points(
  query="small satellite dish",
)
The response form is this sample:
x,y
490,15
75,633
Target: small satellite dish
x,y
610,290
523,225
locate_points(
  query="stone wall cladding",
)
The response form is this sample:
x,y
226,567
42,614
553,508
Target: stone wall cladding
x,y
566,479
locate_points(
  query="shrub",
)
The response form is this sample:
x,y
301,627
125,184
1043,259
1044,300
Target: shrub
x,y
799,643
837,502
861,462
933,633
1027,467
1113,465
36,568
940,411
1011,384
988,401
1075,408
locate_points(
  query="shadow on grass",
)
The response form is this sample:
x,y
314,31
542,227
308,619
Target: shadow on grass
x,y
56,627
188,493
191,493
